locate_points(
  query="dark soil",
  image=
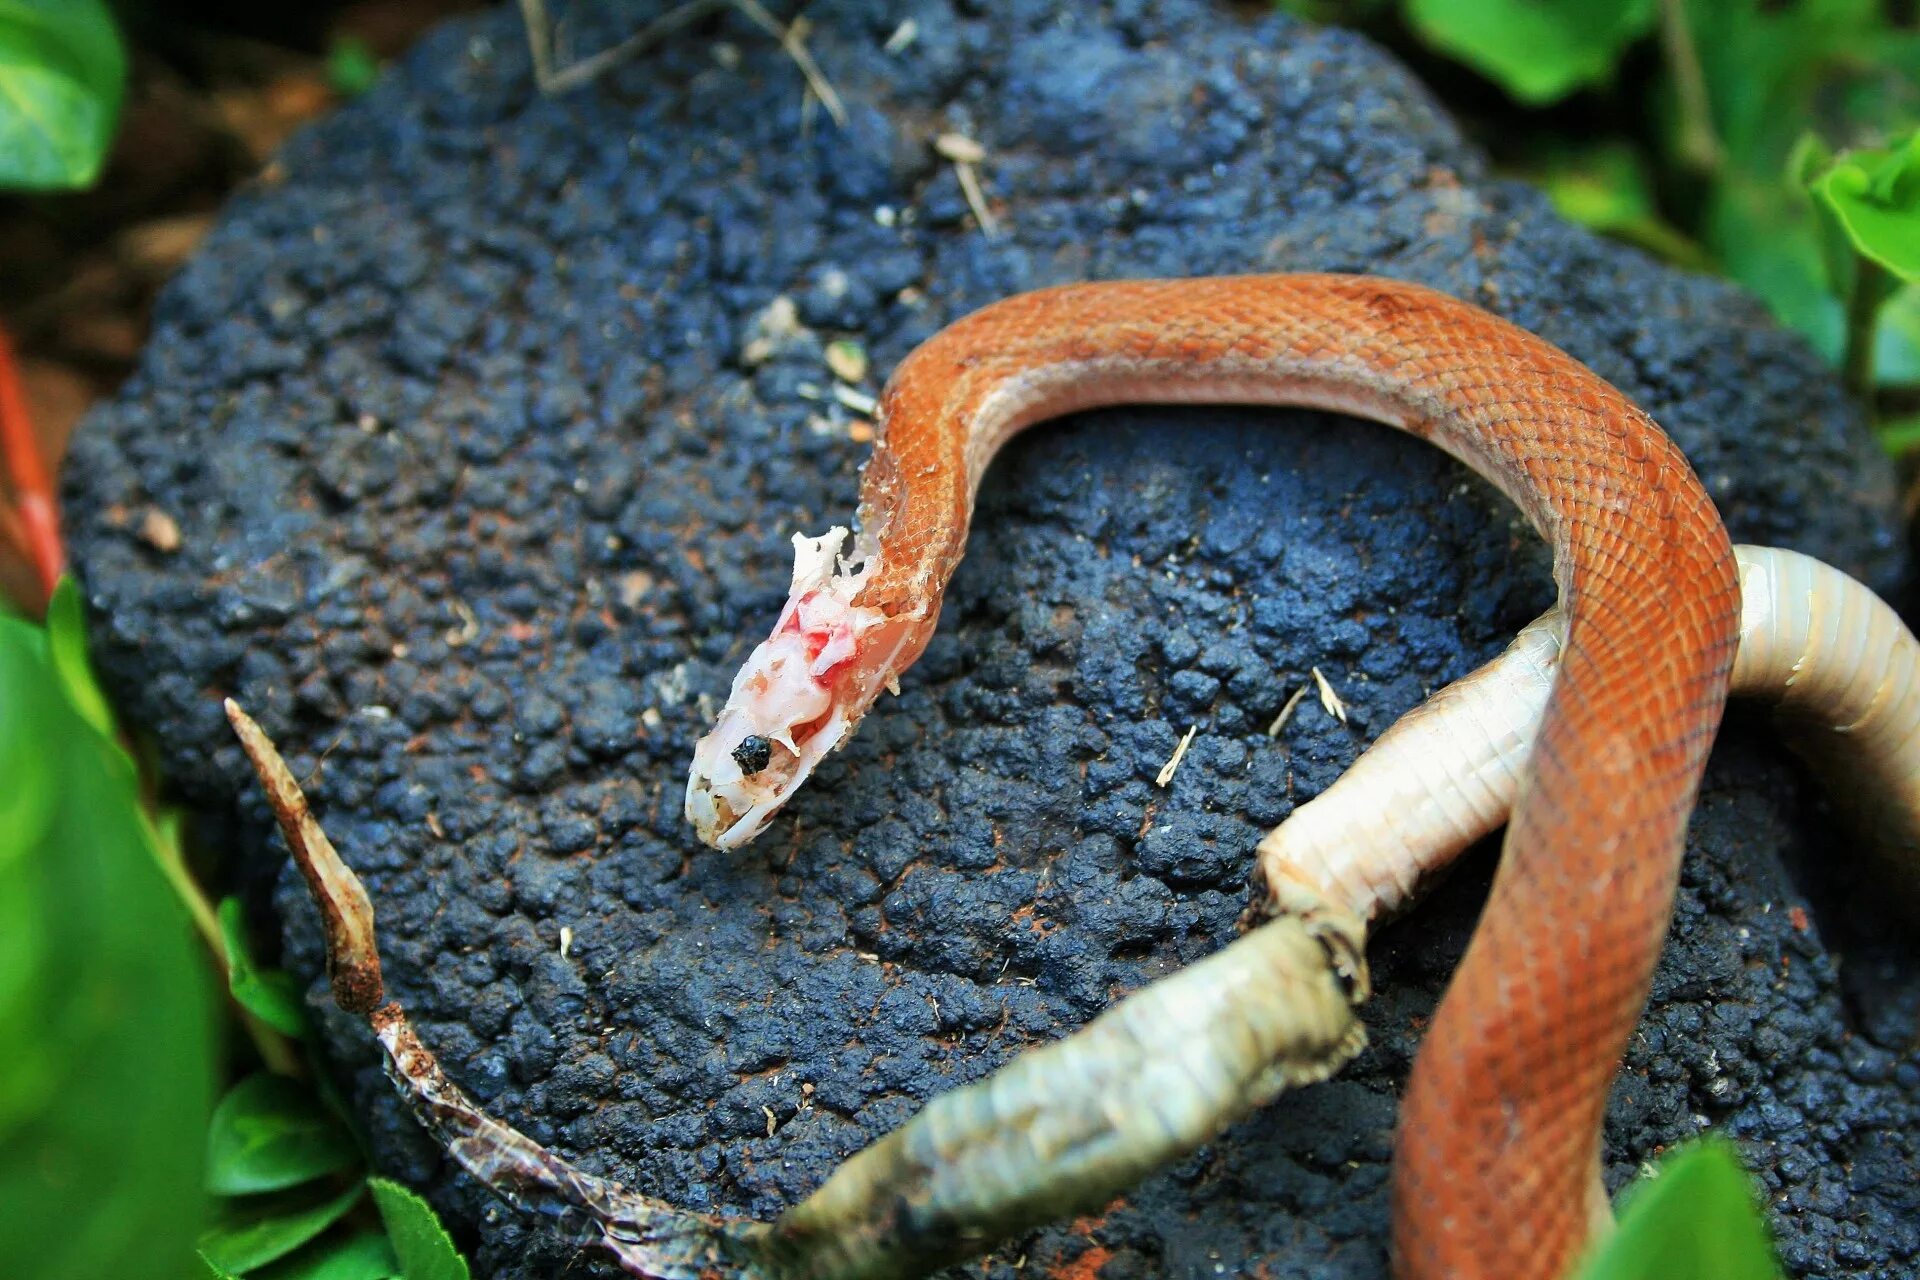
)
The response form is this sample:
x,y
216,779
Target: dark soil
x,y
481,498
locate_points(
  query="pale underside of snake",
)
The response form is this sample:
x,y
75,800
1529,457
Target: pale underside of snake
x,y
1621,735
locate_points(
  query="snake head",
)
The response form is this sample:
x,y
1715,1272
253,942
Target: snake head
x,y
798,695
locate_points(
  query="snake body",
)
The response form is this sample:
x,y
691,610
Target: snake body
x,y
1499,1132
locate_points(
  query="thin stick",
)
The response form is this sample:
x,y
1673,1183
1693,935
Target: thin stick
x,y
1699,142
572,76
649,1237
792,39
353,962
553,81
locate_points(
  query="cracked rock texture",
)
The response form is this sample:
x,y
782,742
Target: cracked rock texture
x,y
485,435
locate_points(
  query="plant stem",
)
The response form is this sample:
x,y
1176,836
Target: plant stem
x,y
281,1055
21,461
1863,308
1700,148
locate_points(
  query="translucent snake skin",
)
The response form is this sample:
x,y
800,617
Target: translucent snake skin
x,y
1495,1170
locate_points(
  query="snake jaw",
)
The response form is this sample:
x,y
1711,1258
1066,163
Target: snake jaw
x,y
796,698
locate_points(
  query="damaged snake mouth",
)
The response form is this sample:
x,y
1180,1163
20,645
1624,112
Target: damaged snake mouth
x,y
796,698
732,792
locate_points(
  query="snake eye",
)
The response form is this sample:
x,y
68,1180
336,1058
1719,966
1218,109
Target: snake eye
x,y
753,754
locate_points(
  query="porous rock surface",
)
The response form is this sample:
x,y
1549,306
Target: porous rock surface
x,y
485,435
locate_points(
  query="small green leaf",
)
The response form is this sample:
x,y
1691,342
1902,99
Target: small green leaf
x,y
351,67
270,1132
268,994
366,1256
421,1243
1695,1219
62,74
67,643
1538,52
1875,197
251,1234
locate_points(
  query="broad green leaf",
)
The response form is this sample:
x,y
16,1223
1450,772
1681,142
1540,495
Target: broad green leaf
x,y
270,1132
252,1233
420,1242
1695,1219
67,642
62,74
106,1011
366,1256
268,994
1537,50
215,1271
1875,197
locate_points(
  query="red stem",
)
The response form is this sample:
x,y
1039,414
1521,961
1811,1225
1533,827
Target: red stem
x,y
32,486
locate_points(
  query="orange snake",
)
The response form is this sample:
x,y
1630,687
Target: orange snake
x,y
1499,1133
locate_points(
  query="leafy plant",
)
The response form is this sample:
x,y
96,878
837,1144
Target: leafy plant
x,y
1538,52
270,1133
62,75
1694,1219
1711,98
105,1010
421,1242
1867,214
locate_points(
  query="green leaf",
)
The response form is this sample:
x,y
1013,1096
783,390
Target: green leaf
x,y
62,75
251,1234
270,1132
1537,50
268,994
422,1244
106,1012
67,641
1874,195
1695,1219
366,1256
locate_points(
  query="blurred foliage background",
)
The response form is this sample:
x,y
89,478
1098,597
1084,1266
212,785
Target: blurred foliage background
x,y
161,1110
1769,140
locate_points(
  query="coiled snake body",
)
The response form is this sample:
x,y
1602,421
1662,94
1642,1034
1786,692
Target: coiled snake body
x,y
1499,1132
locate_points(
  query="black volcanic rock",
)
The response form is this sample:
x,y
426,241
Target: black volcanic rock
x,y
485,436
